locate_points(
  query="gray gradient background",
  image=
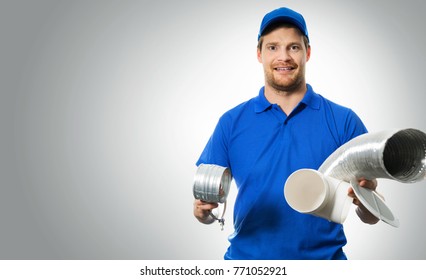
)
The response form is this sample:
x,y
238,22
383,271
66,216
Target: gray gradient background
x,y
106,105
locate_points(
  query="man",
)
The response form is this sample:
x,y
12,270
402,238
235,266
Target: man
x,y
285,128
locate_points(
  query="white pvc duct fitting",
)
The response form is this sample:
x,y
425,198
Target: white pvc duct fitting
x,y
308,191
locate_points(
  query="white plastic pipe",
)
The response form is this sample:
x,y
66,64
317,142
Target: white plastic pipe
x,y
308,191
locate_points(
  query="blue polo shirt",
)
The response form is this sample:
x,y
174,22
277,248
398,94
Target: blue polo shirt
x,y
262,146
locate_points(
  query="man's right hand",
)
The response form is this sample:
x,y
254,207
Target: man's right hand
x,y
202,211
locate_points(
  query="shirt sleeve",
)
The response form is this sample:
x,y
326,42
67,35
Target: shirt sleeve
x,y
216,149
353,126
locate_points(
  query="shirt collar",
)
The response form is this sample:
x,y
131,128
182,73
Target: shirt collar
x,y
310,99
260,102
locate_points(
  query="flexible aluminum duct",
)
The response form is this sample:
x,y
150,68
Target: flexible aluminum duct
x,y
398,155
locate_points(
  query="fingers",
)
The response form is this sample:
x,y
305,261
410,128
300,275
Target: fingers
x,y
202,209
203,205
369,184
352,194
363,182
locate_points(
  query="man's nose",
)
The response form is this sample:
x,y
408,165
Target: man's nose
x,y
284,55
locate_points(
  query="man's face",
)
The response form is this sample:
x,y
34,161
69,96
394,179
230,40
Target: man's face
x,y
284,56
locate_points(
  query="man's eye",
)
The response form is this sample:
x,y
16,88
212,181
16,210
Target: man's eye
x,y
295,48
272,48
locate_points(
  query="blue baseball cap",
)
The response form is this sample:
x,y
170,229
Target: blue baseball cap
x,y
283,15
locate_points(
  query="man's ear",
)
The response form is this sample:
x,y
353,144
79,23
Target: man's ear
x,y
308,53
259,55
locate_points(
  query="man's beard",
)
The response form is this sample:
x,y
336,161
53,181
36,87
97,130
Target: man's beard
x,y
287,86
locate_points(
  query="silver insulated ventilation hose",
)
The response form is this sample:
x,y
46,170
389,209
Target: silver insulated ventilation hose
x,y
398,155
